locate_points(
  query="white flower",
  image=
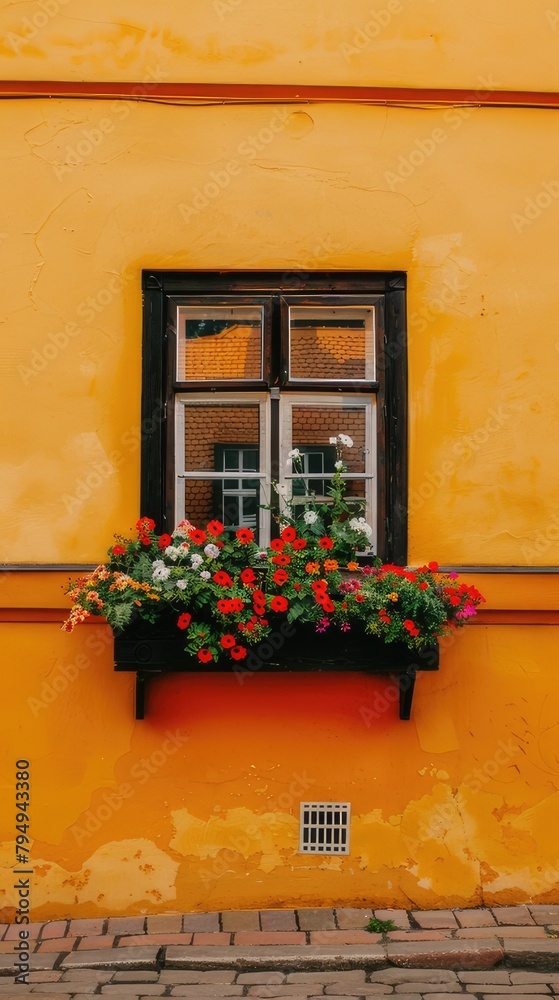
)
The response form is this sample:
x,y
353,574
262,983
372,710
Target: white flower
x,y
360,524
294,453
205,575
196,560
181,584
333,440
345,439
172,552
159,570
339,466
261,555
310,516
281,490
183,548
211,551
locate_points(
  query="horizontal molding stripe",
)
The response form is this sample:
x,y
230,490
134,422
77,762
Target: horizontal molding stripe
x,y
494,617
254,93
89,567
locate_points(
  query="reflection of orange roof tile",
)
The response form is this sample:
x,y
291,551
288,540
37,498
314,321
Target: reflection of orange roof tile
x,y
327,352
233,353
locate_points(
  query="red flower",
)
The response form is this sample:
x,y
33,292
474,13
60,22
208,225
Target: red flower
x,y
326,543
297,586
281,560
280,577
325,602
410,576
289,534
260,609
414,631
118,550
424,586
359,598
408,624
238,652
319,586
145,524
433,566
299,543
258,596
228,641
279,604
184,620
225,606
145,540
455,601
215,528
197,536
237,604
164,541
248,576
222,578
245,535
277,544
205,655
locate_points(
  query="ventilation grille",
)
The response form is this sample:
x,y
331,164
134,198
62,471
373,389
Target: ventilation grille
x,y
324,827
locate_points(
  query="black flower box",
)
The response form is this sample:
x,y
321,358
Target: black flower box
x,y
152,649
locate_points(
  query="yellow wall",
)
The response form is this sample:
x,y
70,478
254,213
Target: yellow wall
x,y
196,807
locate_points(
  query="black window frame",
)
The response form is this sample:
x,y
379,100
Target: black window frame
x,y
247,287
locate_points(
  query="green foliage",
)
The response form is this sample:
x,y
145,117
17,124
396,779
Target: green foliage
x,y
376,926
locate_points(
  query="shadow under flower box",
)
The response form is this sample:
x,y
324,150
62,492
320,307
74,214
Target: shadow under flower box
x,y
152,649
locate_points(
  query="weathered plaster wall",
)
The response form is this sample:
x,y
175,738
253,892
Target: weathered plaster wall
x,y
418,43
196,806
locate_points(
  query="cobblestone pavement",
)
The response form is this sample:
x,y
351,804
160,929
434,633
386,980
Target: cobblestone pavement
x,y
489,953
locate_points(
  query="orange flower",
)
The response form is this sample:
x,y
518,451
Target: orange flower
x,y
330,565
312,567
353,566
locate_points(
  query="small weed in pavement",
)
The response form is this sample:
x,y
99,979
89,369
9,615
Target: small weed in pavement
x,y
376,926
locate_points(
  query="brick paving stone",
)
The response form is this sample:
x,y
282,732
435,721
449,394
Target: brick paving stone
x,y
83,928
281,991
146,989
200,922
90,943
241,920
475,918
3,929
160,939
176,977
512,915
544,914
126,925
535,988
446,954
143,958
533,953
54,929
430,920
261,978
278,920
316,919
400,917
352,976
7,947
165,923
502,996
344,937
515,931
365,989
425,987
419,935
207,990
532,977
350,919
81,975
44,977
396,977
212,939
500,976
12,934
135,977
251,939
58,944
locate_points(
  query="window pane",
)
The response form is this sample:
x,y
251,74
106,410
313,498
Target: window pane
x,y
331,343
221,437
313,426
229,501
219,342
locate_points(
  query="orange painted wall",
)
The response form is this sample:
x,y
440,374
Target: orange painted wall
x,y
196,807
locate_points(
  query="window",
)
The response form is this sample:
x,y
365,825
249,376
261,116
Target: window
x,y
247,366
